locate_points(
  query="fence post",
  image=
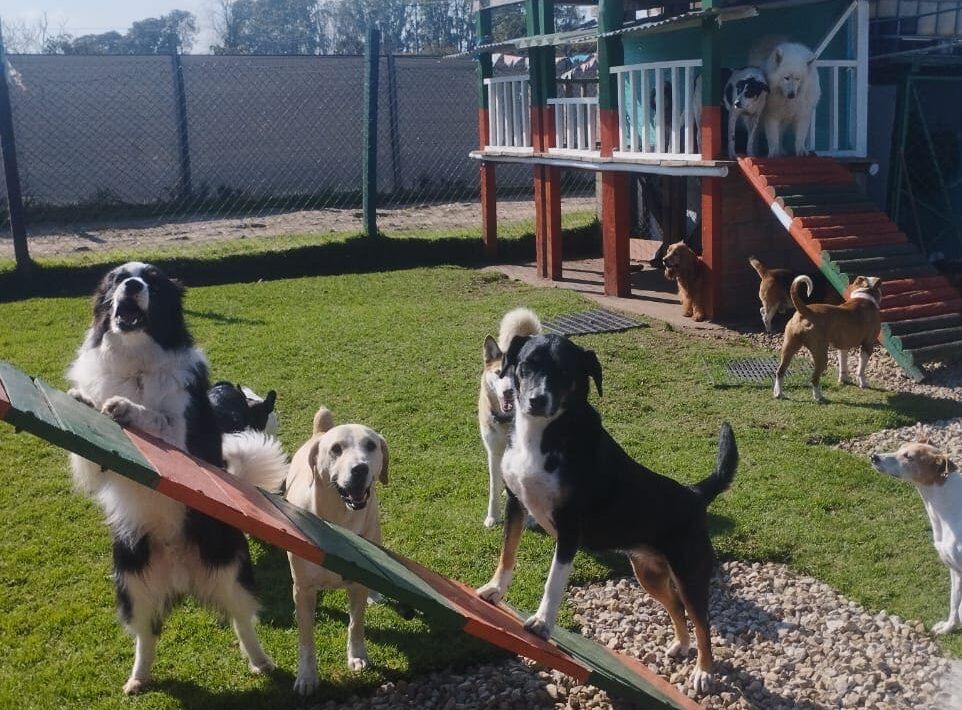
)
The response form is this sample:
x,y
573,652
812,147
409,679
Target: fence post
x,y
183,140
369,165
11,173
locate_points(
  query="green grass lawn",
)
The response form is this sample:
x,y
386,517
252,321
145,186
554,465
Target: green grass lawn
x,y
400,351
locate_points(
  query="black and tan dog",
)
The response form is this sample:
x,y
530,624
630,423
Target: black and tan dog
x,y
586,491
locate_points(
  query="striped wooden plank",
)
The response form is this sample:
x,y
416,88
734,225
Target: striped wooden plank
x,y
909,298
922,311
850,241
947,352
920,325
870,217
917,284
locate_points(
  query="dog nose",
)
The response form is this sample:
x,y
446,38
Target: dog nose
x,y
738,104
359,469
537,403
791,94
133,286
874,458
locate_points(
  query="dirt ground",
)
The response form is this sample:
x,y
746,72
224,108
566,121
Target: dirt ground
x,y
64,239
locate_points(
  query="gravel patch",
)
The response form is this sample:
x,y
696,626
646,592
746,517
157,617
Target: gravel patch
x,y
781,640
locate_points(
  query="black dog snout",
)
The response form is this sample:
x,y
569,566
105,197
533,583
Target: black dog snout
x,y
537,403
874,458
359,469
791,94
133,286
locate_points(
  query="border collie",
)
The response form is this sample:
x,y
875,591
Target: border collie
x,y
586,491
138,365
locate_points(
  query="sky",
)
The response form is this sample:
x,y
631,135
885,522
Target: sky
x,y
81,17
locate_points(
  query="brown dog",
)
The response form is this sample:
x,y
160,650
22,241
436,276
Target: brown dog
x,y
686,267
773,292
820,326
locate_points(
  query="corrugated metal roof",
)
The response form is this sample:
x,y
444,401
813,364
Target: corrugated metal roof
x,y
579,36
686,19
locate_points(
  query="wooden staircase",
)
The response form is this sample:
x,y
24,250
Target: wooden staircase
x,y
818,202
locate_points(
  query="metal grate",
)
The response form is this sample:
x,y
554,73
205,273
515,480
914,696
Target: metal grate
x,y
594,321
755,370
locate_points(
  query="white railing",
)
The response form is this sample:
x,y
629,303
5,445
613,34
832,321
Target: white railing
x,y
839,82
575,125
658,124
509,112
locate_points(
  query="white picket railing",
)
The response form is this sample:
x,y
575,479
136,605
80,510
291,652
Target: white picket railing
x,y
658,124
509,112
576,125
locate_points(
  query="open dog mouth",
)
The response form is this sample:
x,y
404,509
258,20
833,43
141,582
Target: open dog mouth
x,y
355,500
128,315
507,402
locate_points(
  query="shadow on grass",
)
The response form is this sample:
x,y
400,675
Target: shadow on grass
x,y
355,255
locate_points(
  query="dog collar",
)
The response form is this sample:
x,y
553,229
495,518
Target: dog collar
x,y
865,296
502,418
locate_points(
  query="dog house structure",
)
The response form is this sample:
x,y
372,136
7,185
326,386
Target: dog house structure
x,y
657,115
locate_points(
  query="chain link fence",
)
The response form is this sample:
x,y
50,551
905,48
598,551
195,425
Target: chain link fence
x,y
122,151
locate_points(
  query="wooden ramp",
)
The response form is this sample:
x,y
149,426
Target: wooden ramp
x,y
33,406
842,231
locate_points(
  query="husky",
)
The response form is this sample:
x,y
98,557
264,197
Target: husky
x,y
794,91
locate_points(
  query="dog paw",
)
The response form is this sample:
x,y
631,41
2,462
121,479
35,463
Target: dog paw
x,y
134,686
538,626
261,666
306,682
120,409
491,521
862,383
677,649
358,662
698,317
943,627
491,592
701,681
81,397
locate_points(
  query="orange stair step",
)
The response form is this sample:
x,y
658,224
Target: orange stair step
x,y
917,284
921,311
917,297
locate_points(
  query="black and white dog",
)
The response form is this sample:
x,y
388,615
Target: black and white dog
x,y
138,365
586,491
745,94
237,408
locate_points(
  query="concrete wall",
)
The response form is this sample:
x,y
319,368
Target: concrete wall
x,y
106,127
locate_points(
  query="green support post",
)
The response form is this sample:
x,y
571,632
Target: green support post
x,y
369,166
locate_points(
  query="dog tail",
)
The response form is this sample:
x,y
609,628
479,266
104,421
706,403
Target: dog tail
x,y
759,267
257,458
520,321
797,299
725,465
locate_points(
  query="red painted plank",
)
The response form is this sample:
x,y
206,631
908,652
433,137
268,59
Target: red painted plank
x,y
918,297
865,218
844,228
854,241
497,624
215,492
4,402
914,284
921,311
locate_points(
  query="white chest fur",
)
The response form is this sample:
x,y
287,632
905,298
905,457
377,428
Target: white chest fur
x,y
944,506
525,474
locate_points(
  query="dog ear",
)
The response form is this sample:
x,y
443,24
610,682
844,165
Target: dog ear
x,y
491,350
777,56
385,457
312,456
269,401
592,367
510,358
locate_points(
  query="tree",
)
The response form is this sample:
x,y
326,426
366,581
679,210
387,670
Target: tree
x,y
268,27
22,36
155,35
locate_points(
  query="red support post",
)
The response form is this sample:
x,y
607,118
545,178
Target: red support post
x,y
711,217
489,193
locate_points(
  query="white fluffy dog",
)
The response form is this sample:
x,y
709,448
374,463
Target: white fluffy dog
x,y
794,91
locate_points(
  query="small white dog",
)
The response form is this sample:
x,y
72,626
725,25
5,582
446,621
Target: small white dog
x,y
496,401
332,475
938,481
746,94
794,91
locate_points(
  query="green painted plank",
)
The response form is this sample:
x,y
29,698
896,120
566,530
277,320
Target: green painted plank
x,y
359,559
918,325
906,362
873,251
610,674
55,416
944,352
925,338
